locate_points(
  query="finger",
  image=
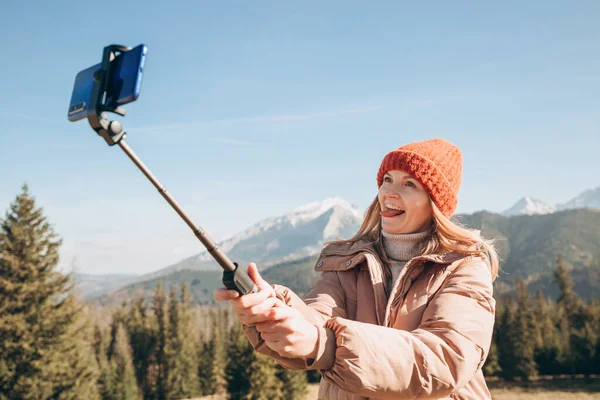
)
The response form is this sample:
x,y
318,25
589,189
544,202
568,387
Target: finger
x,y
255,276
251,299
222,294
261,308
257,313
279,303
280,313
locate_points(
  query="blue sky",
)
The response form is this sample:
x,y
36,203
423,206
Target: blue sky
x,y
250,109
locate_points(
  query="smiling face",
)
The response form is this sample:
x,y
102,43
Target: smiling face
x,y
405,204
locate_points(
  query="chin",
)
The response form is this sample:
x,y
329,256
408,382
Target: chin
x,y
393,230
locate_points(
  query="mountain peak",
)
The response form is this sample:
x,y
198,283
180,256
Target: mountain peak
x,y
588,199
313,210
529,206
294,235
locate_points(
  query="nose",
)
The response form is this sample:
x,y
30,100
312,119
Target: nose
x,y
390,194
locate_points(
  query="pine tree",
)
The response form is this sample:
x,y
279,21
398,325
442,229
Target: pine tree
x,y
118,318
44,352
547,337
143,344
189,343
160,338
107,379
583,340
264,384
240,355
182,380
566,297
126,384
565,355
293,383
571,304
212,362
524,335
506,341
595,312
204,365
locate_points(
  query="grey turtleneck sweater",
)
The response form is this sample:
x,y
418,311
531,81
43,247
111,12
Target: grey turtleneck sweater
x,y
399,249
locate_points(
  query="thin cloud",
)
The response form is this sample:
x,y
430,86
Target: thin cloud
x,y
258,119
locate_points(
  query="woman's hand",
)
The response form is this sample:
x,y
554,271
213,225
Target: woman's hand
x,y
283,328
288,333
253,307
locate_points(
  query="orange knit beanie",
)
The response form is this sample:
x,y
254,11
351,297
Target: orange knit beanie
x,y
436,163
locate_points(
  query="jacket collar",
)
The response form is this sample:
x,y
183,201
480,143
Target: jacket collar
x,y
343,257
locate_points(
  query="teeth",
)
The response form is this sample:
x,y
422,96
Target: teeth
x,y
393,207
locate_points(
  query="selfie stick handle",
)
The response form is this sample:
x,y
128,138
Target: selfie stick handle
x,y
234,278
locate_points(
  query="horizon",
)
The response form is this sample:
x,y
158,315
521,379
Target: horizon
x,y
220,242
249,111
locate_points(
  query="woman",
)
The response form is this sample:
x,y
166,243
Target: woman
x,y
404,309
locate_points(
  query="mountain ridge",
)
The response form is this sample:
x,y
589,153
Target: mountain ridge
x,y
527,244
294,235
531,206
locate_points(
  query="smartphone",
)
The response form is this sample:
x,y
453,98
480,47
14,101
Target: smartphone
x,y
82,91
123,86
125,76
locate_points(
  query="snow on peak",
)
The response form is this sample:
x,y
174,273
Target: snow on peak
x,y
313,210
342,221
530,206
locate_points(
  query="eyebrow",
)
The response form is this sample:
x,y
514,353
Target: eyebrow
x,y
404,177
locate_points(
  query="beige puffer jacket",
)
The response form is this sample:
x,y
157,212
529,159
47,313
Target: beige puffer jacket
x,y
429,340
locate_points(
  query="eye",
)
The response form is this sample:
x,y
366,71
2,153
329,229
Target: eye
x,y
410,183
387,179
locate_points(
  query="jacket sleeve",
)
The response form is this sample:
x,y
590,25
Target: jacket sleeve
x,y
442,354
325,300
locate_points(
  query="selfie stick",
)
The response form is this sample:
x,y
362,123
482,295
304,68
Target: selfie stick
x,y
112,132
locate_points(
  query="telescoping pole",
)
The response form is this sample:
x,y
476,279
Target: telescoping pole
x,y
233,277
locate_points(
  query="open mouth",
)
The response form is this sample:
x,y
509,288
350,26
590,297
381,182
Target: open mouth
x,y
391,211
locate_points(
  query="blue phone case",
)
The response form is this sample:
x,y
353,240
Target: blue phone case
x,y
82,90
123,86
125,80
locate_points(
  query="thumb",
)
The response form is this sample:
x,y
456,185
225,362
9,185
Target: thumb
x,y
256,278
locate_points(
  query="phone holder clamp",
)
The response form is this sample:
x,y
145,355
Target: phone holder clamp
x,y
111,131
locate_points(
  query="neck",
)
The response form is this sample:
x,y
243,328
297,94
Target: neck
x,y
403,246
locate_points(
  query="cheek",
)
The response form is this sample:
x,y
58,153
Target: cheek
x,y
422,206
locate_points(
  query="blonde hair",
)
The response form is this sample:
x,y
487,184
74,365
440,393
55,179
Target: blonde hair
x,y
444,236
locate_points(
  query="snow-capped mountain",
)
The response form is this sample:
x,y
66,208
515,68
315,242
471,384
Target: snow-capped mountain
x,y
297,234
529,206
588,199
